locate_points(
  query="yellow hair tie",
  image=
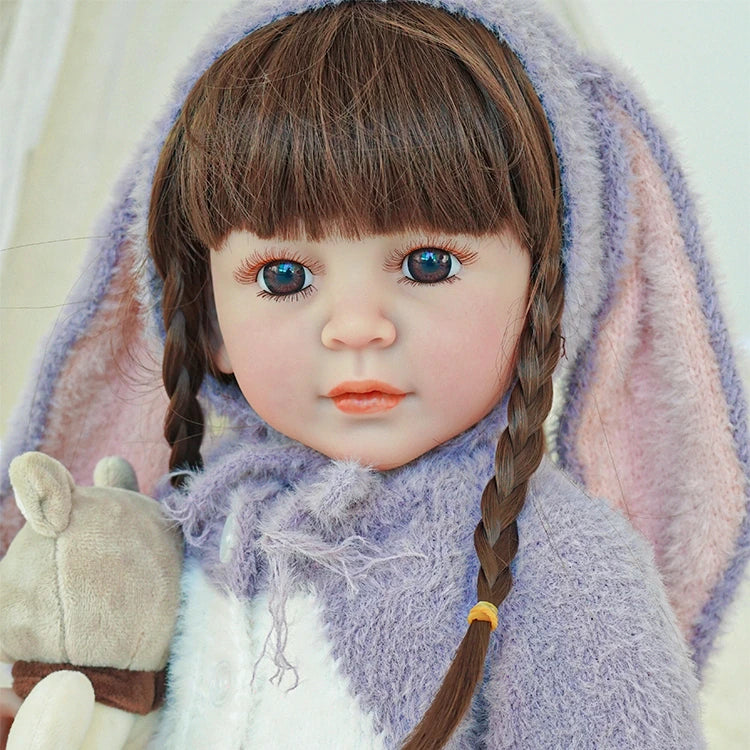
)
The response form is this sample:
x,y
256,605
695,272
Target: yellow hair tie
x,y
485,611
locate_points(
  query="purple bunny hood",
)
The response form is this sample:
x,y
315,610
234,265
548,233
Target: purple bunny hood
x,y
650,415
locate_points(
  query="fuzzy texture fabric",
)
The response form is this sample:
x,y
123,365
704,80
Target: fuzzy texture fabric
x,y
644,382
222,674
386,562
664,438
92,579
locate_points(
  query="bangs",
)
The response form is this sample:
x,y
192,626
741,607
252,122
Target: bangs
x,y
353,119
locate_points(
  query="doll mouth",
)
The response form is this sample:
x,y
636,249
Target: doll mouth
x,y
365,397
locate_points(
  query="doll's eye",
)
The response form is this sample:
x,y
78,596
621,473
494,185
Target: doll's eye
x,y
430,265
284,277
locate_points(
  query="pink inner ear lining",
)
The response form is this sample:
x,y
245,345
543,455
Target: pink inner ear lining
x,y
655,436
109,399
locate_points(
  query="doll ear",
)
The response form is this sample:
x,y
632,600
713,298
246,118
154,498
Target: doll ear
x,y
220,355
44,492
655,422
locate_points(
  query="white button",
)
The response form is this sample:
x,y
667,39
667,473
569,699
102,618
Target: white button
x,y
228,541
221,684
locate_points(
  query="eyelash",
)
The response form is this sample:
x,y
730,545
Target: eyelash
x,y
249,268
413,282
296,296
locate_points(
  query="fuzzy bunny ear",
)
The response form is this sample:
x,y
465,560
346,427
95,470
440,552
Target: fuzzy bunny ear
x,y
655,418
44,492
97,386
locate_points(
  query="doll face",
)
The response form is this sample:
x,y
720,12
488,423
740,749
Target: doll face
x,y
375,349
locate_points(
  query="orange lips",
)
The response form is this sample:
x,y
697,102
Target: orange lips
x,y
365,396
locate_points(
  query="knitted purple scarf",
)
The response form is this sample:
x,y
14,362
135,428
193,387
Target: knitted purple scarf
x,y
389,557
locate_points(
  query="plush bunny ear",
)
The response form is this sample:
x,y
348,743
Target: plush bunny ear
x,y
655,416
44,492
97,386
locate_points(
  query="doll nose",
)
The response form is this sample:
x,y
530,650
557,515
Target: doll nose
x,y
358,324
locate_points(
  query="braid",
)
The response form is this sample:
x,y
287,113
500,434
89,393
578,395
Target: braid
x,y
521,446
182,372
519,452
181,261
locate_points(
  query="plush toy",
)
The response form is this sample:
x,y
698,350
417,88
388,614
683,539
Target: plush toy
x,y
90,592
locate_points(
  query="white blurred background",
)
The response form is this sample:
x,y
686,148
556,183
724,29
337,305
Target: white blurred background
x,y
80,81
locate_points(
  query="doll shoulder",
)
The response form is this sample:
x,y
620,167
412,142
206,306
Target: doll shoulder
x,y
562,525
590,636
583,563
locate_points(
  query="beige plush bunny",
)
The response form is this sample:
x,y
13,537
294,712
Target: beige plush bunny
x,y
90,592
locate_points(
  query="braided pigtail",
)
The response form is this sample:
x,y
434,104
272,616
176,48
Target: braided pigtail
x,y
182,372
519,451
182,262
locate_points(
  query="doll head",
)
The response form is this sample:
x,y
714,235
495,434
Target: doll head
x,y
351,125
259,147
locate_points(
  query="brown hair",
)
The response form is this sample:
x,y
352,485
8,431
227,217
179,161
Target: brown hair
x,y
369,117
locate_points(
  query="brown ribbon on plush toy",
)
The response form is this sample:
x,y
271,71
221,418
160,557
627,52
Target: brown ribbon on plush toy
x,y
128,690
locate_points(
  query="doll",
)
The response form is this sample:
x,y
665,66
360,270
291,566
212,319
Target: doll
x,y
363,224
